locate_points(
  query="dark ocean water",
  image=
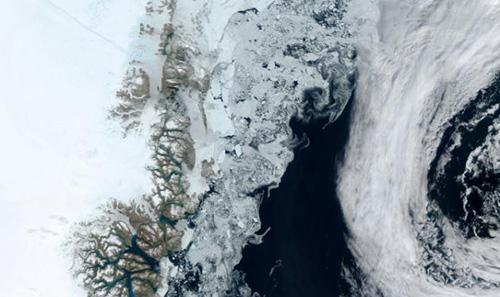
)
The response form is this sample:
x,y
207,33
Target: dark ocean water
x,y
302,254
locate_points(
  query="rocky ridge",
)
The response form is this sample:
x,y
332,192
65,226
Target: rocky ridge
x,y
217,109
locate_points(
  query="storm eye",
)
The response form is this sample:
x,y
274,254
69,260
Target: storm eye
x,y
464,176
481,193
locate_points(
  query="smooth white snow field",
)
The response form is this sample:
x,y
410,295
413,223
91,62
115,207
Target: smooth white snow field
x,y
60,63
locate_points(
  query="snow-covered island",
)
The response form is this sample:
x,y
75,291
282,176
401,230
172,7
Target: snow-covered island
x,y
215,85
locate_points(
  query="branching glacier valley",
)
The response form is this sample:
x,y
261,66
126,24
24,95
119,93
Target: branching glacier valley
x,y
244,98
216,90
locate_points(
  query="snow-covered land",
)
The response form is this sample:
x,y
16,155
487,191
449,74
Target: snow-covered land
x,y
205,91
61,62
138,137
232,75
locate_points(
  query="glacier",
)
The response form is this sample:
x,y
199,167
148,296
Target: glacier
x,y
388,110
